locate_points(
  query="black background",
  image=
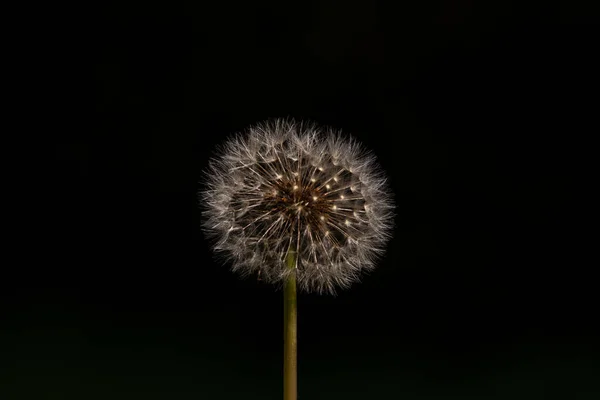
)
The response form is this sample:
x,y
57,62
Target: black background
x,y
481,116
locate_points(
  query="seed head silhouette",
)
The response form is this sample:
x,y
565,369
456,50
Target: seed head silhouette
x,y
285,185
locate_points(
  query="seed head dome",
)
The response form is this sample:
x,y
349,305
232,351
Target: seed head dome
x,y
284,186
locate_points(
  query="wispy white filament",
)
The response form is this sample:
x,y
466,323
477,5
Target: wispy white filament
x,y
284,185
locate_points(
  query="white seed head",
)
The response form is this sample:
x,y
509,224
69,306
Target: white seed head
x,y
283,185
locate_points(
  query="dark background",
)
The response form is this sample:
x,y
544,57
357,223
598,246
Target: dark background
x,y
481,116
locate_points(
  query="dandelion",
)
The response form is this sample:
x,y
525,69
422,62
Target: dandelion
x,y
282,187
300,206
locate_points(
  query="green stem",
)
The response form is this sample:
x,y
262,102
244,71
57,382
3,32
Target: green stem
x,y
290,327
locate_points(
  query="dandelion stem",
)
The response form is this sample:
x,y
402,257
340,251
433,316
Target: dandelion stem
x,y
290,344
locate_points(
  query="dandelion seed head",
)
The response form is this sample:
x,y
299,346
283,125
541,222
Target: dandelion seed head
x,y
284,185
